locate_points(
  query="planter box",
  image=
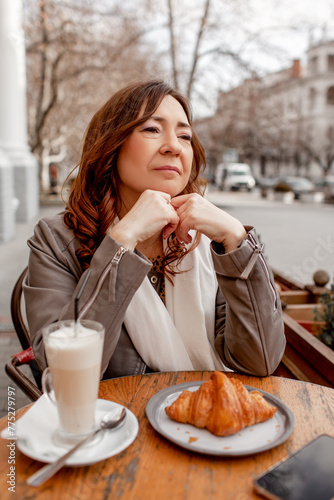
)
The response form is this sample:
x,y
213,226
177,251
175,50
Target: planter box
x,y
313,327
286,282
302,312
293,292
295,297
306,358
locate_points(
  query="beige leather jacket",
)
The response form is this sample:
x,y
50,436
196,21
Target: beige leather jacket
x,y
249,327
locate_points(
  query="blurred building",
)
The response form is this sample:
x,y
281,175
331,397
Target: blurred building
x,y
18,167
280,123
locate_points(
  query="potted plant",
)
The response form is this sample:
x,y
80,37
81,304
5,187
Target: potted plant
x,y
326,316
282,191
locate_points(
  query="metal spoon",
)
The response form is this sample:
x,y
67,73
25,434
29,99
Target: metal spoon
x,y
111,420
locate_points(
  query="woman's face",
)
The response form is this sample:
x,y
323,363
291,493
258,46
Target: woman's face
x,y
158,154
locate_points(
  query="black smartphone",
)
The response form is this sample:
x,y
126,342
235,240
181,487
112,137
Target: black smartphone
x,y
308,474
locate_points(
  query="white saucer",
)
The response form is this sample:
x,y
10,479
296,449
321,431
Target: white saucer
x,y
113,441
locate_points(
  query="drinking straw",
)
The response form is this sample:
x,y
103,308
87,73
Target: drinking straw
x,y
76,300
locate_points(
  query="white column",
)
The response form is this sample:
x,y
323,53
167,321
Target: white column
x,y
7,200
13,112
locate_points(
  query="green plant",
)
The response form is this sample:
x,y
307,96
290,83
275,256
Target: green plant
x,y
326,314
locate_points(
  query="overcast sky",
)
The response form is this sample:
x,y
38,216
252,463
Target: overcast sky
x,y
303,13
284,29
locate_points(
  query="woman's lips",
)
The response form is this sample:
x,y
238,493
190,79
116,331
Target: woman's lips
x,y
169,168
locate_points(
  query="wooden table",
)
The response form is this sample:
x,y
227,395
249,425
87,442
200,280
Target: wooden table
x,y
152,468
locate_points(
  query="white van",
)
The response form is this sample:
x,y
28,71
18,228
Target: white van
x,y
234,176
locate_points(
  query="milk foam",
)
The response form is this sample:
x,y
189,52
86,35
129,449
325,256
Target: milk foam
x,y
75,350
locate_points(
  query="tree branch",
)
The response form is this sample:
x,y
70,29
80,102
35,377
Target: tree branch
x,y
197,46
173,44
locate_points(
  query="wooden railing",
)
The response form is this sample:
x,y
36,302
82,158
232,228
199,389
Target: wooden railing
x,y
306,357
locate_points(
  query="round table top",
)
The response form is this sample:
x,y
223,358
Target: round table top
x,y
153,467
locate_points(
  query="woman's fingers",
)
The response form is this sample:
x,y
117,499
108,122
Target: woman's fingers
x,y
186,207
183,236
155,211
195,212
149,215
168,230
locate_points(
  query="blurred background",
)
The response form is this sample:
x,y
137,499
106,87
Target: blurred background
x,y
259,74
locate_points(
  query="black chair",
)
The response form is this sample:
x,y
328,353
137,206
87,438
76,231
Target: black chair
x,y
25,357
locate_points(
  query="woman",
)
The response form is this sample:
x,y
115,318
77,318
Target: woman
x,y
178,283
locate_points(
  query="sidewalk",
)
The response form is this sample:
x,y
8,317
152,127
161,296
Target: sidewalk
x,y
14,258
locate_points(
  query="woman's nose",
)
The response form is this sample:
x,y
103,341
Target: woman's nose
x,y
171,146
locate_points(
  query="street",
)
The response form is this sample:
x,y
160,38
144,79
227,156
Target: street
x,y
298,236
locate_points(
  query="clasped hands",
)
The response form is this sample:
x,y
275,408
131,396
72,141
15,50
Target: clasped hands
x,y
156,211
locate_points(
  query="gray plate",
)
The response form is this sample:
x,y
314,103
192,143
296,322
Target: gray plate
x,y
259,437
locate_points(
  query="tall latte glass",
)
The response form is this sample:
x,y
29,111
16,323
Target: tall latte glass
x,y
74,354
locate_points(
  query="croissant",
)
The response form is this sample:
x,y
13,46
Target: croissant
x,y
222,405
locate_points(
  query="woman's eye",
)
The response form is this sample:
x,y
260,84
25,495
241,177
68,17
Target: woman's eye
x,y
186,137
151,129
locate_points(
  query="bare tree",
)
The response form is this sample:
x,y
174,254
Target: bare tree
x,y
321,152
77,54
211,45
79,51
196,55
173,50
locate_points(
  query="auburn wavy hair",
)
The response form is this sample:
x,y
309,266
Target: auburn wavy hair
x,y
94,201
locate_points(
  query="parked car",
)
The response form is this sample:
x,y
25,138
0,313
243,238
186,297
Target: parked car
x,y
326,186
267,182
234,176
298,185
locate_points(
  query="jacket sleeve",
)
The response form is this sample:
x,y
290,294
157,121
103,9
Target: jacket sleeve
x,y
55,277
249,325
